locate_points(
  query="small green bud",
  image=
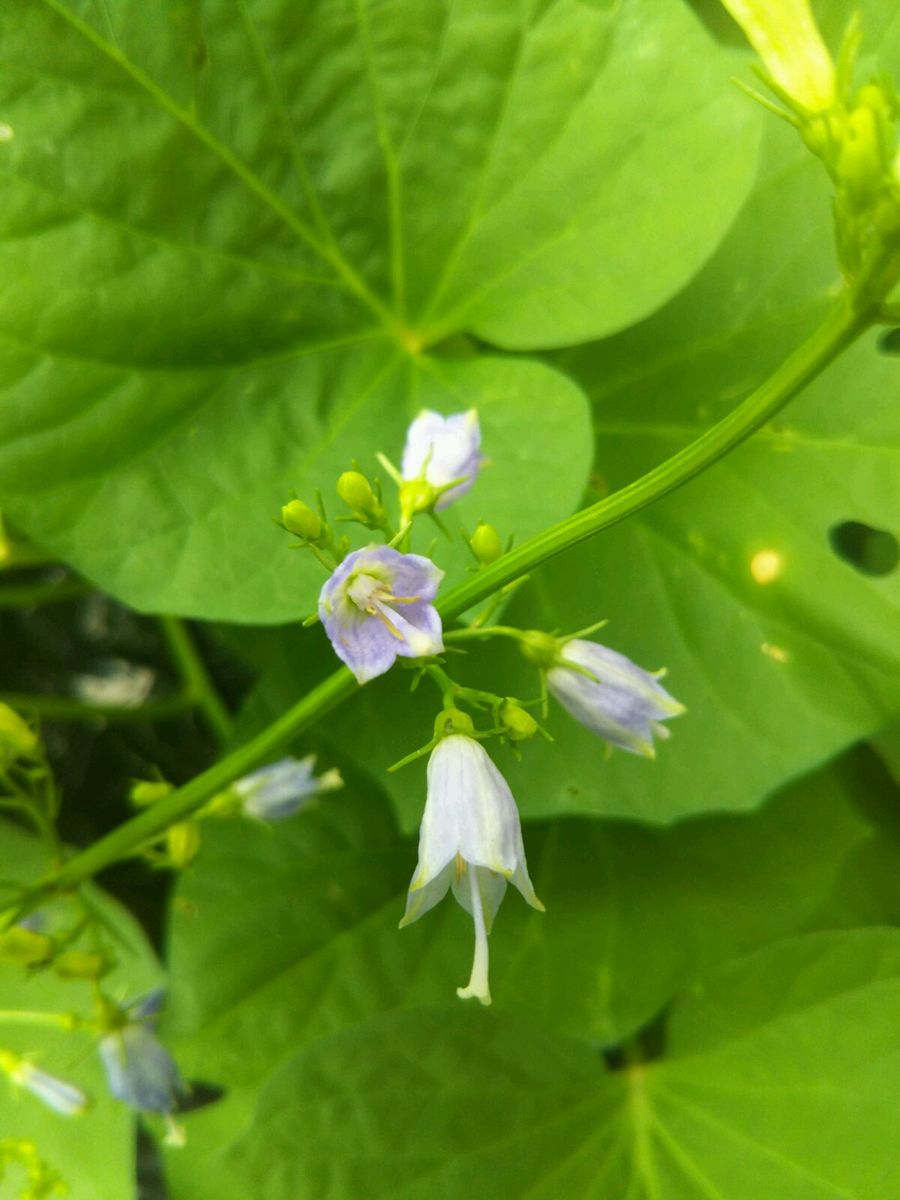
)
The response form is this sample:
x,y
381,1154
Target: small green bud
x,y
861,165
452,720
81,964
25,946
147,791
356,491
486,544
298,518
17,738
518,724
540,648
182,843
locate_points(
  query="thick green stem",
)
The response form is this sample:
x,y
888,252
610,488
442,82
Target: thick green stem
x,y
196,678
841,328
58,1020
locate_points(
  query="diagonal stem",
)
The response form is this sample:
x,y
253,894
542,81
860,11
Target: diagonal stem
x,y
840,329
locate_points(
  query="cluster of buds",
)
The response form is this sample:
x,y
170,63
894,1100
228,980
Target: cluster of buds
x,y
854,130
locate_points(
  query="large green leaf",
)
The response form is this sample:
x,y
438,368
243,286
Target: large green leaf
x,y
228,230
634,915
291,1027
781,1081
94,1153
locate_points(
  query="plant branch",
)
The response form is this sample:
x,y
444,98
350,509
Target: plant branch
x,y
197,681
839,330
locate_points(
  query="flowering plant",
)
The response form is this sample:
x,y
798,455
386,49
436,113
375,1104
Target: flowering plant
x,y
446,447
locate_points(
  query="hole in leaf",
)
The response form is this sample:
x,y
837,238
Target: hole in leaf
x,y
646,1045
200,1096
871,551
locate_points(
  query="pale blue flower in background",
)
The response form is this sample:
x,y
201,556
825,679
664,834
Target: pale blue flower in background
x,y
284,787
378,605
471,841
611,695
139,1069
443,450
58,1094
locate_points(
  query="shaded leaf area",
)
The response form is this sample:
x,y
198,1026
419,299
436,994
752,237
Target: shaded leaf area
x,y
93,1153
229,230
345,1056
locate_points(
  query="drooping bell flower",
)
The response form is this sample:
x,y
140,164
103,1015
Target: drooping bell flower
x,y
442,453
470,841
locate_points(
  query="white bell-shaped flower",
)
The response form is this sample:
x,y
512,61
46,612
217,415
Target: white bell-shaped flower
x,y
471,841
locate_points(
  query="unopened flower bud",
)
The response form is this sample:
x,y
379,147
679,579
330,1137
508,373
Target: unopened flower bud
x,y
81,964
25,946
17,738
861,166
518,724
60,1095
357,493
452,720
298,518
147,791
182,843
486,544
785,36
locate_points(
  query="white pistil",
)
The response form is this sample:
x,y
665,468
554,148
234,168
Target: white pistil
x,y
478,985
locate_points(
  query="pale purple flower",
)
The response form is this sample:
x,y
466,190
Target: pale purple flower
x,y
283,788
611,695
63,1097
471,841
443,450
377,605
139,1069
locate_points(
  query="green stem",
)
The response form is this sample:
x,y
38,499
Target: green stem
x,y
186,800
840,329
62,708
197,680
30,595
10,1016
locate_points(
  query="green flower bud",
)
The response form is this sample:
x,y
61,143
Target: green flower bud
x,y
861,165
298,518
147,791
81,964
452,720
486,544
17,738
25,946
517,722
540,648
182,843
356,491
